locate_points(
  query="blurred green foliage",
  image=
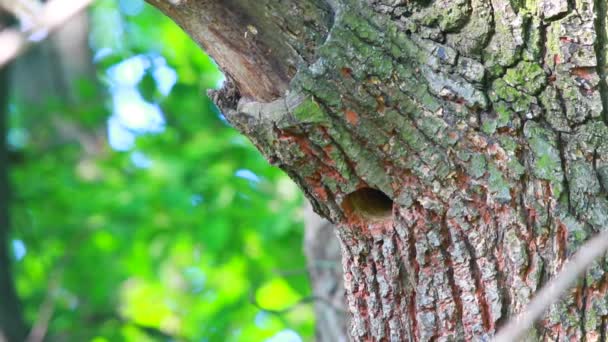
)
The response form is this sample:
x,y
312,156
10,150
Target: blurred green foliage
x,y
187,235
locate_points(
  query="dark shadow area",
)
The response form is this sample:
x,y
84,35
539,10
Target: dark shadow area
x,y
368,203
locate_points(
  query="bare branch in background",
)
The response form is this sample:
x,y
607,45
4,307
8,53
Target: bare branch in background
x,y
45,313
553,290
302,301
26,11
42,20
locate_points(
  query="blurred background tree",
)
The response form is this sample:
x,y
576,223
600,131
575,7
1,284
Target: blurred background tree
x,y
137,213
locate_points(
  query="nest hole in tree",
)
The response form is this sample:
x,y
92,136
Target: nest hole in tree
x,y
368,204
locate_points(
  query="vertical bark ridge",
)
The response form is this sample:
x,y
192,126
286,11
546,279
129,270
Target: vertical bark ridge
x,y
601,48
452,273
372,284
583,309
603,326
462,261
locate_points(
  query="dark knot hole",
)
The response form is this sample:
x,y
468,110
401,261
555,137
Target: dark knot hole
x,y
368,203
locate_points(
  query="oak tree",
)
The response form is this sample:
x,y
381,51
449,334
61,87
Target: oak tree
x,y
460,147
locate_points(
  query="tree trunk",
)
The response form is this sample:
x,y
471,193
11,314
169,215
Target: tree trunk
x,y
460,147
12,326
322,251
57,64
49,70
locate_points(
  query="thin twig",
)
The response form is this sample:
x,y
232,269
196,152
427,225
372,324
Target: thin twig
x,y
52,15
321,264
45,313
302,301
553,290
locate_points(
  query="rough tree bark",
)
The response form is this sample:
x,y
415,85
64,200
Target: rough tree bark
x,y
461,147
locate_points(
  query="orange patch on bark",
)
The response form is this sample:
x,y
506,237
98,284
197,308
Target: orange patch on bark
x,y
320,191
556,59
328,149
453,135
603,286
380,104
561,241
583,72
346,72
316,184
352,117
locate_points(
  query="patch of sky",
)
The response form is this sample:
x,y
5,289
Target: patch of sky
x,y
222,118
131,7
17,138
239,140
135,113
286,335
219,85
220,115
248,175
196,278
119,137
129,72
164,76
221,80
38,35
101,54
196,199
261,319
132,115
140,160
19,249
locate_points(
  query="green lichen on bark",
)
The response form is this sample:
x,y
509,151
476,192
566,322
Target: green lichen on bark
x,y
528,77
309,112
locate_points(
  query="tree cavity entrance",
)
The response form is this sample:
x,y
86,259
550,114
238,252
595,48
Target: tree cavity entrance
x,y
368,204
